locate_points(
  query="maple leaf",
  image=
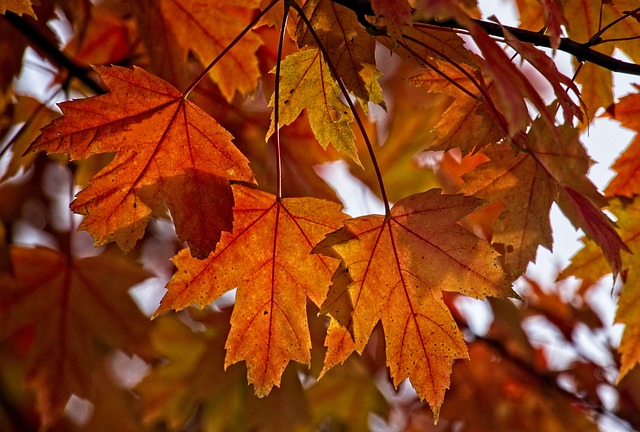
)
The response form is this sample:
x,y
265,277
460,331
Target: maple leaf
x,y
269,323
207,29
590,264
166,148
512,86
306,82
71,305
19,7
527,192
466,124
578,198
108,30
549,70
627,181
350,48
394,270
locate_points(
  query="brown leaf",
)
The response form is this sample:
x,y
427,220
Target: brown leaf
x,y
77,308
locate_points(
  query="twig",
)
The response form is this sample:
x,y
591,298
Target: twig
x,y
53,53
581,51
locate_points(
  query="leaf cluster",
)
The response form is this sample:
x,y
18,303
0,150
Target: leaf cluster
x,y
191,141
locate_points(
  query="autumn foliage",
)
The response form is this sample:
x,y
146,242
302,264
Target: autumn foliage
x,y
227,290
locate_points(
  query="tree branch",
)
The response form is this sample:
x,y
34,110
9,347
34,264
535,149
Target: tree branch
x,y
54,54
581,51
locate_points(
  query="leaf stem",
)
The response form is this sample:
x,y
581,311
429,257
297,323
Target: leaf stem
x,y
345,92
435,68
224,52
276,106
596,38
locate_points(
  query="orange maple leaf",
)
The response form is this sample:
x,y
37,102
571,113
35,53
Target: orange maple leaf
x,y
466,123
73,306
166,148
267,258
567,164
206,29
527,192
394,269
627,182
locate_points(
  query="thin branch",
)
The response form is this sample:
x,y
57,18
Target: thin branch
x,y
276,104
224,52
581,51
52,52
620,39
438,71
596,38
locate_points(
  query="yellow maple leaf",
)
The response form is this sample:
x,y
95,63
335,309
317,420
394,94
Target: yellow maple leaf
x,y
306,83
349,46
19,7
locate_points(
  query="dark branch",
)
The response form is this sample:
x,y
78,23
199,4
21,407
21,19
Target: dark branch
x,y
54,54
581,51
